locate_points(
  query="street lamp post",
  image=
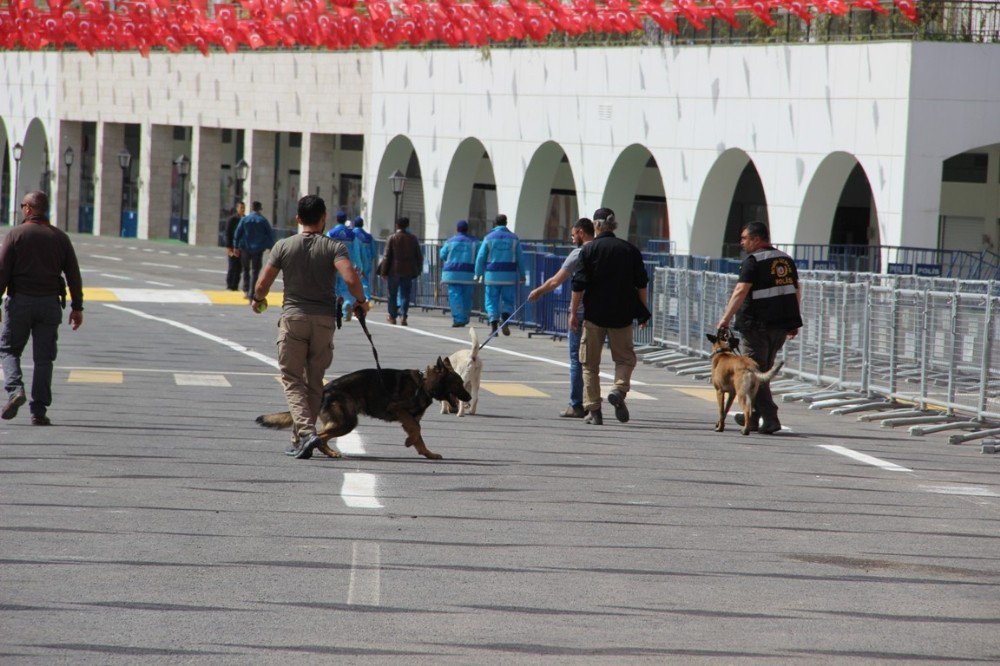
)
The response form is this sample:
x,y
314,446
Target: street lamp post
x,y
242,171
183,165
68,161
18,152
125,162
398,181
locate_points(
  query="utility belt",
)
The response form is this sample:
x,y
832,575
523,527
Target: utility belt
x,y
12,290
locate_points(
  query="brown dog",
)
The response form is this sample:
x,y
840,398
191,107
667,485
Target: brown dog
x,y
736,376
396,395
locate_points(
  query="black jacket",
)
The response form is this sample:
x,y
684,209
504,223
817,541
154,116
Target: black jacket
x,y
611,273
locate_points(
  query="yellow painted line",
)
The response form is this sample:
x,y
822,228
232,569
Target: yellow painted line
x,y
513,390
97,294
96,377
225,297
703,393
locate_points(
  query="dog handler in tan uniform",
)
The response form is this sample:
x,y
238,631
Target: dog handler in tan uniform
x,y
310,263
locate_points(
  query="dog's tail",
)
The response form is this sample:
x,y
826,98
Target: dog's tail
x,y
764,376
475,342
277,421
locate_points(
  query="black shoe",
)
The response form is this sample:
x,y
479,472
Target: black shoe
x,y
457,325
40,420
306,451
402,322
594,418
15,401
769,426
621,411
293,449
574,412
494,325
754,421
506,328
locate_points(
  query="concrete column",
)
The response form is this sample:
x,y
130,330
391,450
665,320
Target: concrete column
x,y
70,136
108,179
156,161
259,148
206,164
318,167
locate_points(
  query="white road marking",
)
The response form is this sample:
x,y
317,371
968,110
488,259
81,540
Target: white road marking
x,y
366,565
974,491
150,263
358,491
210,270
509,352
146,249
115,277
188,379
351,444
159,284
235,346
865,458
104,256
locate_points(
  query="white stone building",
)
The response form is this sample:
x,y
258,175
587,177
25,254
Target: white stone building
x,y
880,143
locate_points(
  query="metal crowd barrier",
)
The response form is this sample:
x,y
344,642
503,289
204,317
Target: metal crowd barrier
x,y
927,349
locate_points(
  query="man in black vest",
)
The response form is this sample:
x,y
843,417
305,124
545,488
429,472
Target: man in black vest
x,y
766,304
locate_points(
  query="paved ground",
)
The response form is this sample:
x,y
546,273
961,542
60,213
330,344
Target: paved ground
x,y
156,523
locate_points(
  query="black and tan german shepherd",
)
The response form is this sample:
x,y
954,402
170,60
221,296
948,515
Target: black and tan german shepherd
x,y
399,395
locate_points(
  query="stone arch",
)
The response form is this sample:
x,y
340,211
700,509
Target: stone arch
x,y
398,154
6,176
731,195
838,207
470,190
635,192
548,205
35,167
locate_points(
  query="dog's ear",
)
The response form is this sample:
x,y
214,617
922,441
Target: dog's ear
x,y
447,363
711,338
440,363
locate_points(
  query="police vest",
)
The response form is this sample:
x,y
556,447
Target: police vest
x,y
772,301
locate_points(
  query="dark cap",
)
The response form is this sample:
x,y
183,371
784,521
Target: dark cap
x,y
462,226
341,216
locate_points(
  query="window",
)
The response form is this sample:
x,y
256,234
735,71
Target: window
x,y
352,142
295,139
965,168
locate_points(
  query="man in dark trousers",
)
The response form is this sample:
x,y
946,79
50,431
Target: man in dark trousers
x,y
611,284
33,260
235,265
766,304
253,236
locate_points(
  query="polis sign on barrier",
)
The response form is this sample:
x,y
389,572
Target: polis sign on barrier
x,y
929,270
899,269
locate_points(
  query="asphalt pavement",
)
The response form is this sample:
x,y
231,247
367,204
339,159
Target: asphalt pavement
x,y
156,523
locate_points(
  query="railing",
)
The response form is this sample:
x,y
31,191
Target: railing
x,y
934,343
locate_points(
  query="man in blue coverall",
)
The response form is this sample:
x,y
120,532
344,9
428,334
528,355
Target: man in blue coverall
x,y
345,235
458,267
366,254
252,237
500,263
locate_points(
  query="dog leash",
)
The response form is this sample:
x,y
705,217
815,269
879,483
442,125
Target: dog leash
x,y
364,327
500,327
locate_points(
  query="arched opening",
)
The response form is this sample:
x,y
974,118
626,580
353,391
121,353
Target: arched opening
x,y
398,155
732,195
838,212
470,191
970,208
5,177
33,171
548,205
635,192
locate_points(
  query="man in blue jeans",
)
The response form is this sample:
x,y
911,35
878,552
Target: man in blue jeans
x,y
583,233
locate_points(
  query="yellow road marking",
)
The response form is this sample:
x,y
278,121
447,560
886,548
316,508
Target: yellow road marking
x,y
513,390
703,393
96,376
98,294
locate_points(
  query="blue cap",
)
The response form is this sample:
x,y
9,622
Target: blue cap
x,y
359,222
341,216
462,226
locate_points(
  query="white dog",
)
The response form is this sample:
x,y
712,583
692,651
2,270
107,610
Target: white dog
x,y
470,367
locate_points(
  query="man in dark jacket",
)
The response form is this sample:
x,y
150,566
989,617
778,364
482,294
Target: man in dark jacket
x,y
235,265
253,237
611,284
33,260
404,261
766,304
